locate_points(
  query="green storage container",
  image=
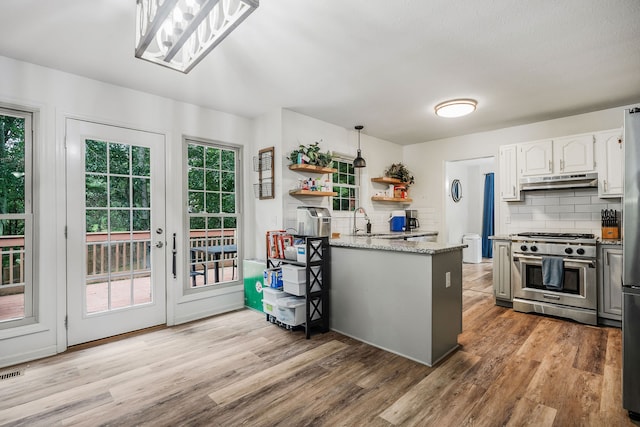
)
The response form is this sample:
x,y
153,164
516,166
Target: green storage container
x,y
253,271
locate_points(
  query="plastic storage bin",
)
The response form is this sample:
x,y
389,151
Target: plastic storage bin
x,y
291,311
472,254
272,295
294,288
270,298
316,251
294,273
269,308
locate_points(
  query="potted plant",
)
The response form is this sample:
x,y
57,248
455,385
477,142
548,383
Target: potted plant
x,y
399,171
311,155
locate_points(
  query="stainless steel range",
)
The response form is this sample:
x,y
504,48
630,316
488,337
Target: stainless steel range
x,y
576,297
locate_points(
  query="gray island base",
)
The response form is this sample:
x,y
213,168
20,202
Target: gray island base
x,y
401,296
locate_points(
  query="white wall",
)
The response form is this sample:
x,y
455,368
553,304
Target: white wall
x,y
428,159
562,211
285,130
466,215
56,95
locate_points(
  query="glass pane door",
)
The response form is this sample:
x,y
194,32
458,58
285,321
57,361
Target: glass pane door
x,y
118,225
116,240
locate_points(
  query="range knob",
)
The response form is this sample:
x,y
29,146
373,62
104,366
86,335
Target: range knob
x,y
568,251
580,251
534,249
523,248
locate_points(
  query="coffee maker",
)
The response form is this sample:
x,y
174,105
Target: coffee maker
x,y
412,222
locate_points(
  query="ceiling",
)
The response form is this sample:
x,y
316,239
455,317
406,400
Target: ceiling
x,y
382,64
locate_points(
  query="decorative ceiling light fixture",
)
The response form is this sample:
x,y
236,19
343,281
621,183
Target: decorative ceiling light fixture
x,y
359,161
179,33
456,107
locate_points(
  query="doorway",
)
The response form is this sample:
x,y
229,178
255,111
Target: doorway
x,y
116,272
465,215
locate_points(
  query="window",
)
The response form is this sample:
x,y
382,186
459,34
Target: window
x,y
213,215
16,219
346,184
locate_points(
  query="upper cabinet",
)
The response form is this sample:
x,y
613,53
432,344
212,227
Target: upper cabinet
x,y
600,152
536,158
569,154
573,154
610,152
509,186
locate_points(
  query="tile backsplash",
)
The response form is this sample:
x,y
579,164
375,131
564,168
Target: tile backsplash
x,y
562,211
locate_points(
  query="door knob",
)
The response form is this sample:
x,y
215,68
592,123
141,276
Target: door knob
x,y
159,230
159,245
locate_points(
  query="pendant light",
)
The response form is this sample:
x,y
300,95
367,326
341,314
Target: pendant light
x,y
359,161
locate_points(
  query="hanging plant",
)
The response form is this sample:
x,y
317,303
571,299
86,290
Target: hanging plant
x,y
310,154
399,171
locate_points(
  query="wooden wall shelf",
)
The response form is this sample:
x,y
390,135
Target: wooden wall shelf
x,y
391,199
311,168
312,193
387,180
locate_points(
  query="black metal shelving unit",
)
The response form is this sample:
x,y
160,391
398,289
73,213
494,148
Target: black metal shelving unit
x,y
318,253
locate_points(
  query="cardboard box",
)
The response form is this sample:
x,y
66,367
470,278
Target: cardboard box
x,y
273,278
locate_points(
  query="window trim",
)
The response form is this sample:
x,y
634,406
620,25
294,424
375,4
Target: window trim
x,y
31,291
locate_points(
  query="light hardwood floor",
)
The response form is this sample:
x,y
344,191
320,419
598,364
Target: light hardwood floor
x,y
236,369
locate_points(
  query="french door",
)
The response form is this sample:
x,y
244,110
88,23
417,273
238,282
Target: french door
x,y
116,278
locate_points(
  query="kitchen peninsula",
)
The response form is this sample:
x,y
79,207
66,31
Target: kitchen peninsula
x,y
401,296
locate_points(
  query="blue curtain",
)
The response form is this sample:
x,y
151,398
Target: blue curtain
x,y
487,217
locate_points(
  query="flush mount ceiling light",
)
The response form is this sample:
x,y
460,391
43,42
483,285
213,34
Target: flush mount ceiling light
x,y
359,161
456,107
179,33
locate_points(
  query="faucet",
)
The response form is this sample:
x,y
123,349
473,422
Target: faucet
x,y
360,209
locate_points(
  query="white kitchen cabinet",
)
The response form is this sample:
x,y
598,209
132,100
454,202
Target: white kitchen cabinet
x,y
610,283
509,186
573,154
502,272
610,154
570,154
535,158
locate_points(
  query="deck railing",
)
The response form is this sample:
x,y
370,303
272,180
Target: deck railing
x,y
122,254
13,258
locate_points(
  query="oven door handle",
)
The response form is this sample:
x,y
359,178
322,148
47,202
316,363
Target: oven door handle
x,y
589,262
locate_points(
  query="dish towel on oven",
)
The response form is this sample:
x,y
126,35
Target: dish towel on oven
x,y
552,272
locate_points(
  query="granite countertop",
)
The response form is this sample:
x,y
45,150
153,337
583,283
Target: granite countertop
x,y
617,242
394,234
395,245
501,237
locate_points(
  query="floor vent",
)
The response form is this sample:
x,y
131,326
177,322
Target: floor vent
x,y
11,374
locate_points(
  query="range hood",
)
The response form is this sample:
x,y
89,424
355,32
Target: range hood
x,y
553,182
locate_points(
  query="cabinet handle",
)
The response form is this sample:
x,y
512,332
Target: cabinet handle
x,y
561,164
550,166
606,185
514,190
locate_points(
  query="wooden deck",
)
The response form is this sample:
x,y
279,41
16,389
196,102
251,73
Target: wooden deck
x,y
12,306
236,369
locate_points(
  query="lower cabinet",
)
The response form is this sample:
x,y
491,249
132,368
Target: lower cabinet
x,y
610,284
502,272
